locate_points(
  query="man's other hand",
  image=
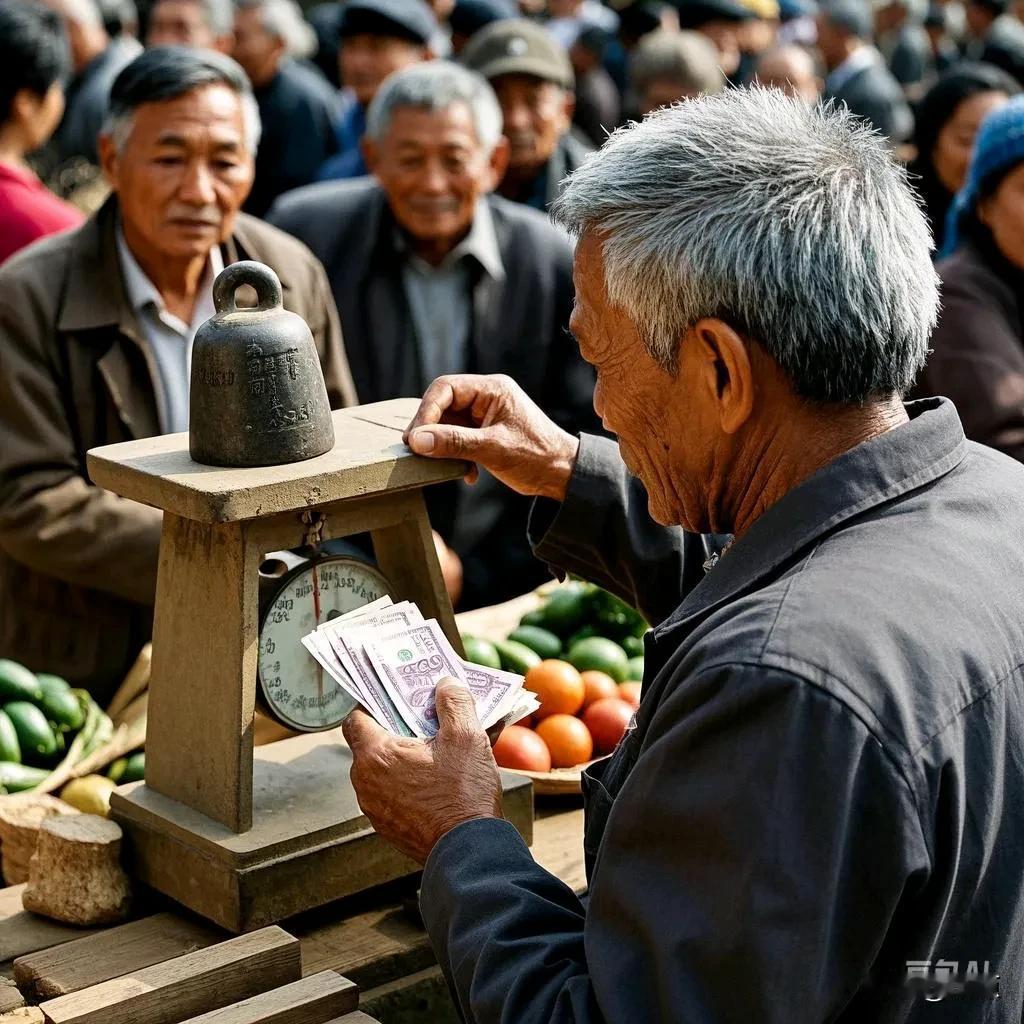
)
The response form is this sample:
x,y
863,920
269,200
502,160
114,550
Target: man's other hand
x,y
414,791
491,422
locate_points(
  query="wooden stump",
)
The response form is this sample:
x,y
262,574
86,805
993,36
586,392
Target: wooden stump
x,y
21,815
76,874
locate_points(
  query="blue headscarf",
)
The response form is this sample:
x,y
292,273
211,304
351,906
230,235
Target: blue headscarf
x,y
998,148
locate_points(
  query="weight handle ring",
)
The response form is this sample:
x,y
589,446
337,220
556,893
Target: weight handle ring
x,y
256,275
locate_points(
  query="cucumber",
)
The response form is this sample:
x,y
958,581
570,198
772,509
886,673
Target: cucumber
x,y
10,748
62,707
635,669
135,771
480,652
633,646
516,657
598,652
17,683
16,778
566,609
543,641
534,618
48,681
581,634
35,736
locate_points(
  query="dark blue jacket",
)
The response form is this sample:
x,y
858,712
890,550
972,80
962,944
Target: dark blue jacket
x,y
822,790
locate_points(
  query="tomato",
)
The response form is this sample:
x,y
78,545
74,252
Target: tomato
x,y
597,685
567,738
607,719
558,687
519,747
630,693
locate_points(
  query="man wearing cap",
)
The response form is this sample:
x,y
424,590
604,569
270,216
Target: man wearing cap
x,y
378,37
720,21
533,79
857,75
995,35
469,16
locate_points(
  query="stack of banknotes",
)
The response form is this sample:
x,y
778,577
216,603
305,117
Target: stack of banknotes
x,y
389,659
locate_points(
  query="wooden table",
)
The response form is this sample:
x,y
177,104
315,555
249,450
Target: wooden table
x,y
375,939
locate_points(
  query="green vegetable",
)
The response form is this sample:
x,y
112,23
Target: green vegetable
x,y
566,609
16,778
602,654
116,771
481,652
635,669
516,657
48,681
580,634
62,707
10,748
633,646
17,683
544,642
35,736
614,618
136,769
534,618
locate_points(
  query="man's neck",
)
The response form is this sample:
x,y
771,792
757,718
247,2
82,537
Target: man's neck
x,y
852,46
177,280
434,250
518,182
796,447
12,149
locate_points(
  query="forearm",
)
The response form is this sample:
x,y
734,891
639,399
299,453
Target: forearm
x,y
508,935
85,536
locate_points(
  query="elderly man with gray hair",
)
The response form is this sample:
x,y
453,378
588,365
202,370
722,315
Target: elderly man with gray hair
x,y
205,24
816,815
96,330
432,275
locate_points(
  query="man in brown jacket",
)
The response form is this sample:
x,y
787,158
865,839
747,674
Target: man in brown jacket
x,y
96,328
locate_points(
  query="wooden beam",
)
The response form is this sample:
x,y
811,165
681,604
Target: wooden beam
x,y
181,988
313,1000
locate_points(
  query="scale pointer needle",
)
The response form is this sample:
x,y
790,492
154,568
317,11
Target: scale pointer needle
x,y
316,612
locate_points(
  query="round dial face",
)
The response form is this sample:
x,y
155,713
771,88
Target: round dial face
x,y
299,692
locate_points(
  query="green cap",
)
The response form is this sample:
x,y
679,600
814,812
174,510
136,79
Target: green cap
x,y
517,47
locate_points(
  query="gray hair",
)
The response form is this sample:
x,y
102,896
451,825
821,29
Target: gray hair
x,y
789,221
80,12
684,57
219,15
283,19
437,85
167,72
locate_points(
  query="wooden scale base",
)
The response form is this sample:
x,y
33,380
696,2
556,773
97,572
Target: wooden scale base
x,y
247,837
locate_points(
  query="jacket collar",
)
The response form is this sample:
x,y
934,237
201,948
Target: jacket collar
x,y
877,471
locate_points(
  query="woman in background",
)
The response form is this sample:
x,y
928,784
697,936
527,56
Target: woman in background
x,y
34,62
947,121
978,345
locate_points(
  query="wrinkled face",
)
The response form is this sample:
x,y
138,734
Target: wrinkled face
x,y
434,169
364,61
951,155
663,92
1003,214
183,173
536,115
255,48
636,399
181,23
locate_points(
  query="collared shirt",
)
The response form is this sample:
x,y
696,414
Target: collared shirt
x,y
168,338
861,58
817,815
441,298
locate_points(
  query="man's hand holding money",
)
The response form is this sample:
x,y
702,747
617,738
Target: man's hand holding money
x,y
414,791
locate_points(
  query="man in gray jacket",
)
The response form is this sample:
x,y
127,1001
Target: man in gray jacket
x,y
816,815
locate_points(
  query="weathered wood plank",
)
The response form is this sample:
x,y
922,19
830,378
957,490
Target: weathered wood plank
x,y
313,1000
22,932
177,989
111,953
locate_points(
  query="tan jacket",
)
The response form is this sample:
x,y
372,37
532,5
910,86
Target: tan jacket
x,y
77,563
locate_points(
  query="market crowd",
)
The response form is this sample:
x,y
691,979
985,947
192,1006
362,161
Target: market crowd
x,y
393,161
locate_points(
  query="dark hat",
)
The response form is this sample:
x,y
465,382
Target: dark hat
x,y
638,18
469,16
518,47
853,15
400,19
694,13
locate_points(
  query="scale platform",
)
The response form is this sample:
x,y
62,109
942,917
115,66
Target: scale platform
x,y
308,838
249,836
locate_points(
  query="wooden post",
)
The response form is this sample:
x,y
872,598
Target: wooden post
x,y
406,555
203,684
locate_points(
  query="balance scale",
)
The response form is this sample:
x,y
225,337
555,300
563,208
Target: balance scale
x,y
249,836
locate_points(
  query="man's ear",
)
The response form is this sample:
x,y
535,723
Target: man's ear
x,y
499,162
109,160
726,371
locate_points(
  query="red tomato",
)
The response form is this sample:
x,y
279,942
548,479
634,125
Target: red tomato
x,y
630,693
597,685
519,747
568,740
607,720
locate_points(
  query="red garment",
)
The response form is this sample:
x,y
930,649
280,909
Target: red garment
x,y
29,211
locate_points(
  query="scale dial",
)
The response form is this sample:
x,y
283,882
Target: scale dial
x,y
293,687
